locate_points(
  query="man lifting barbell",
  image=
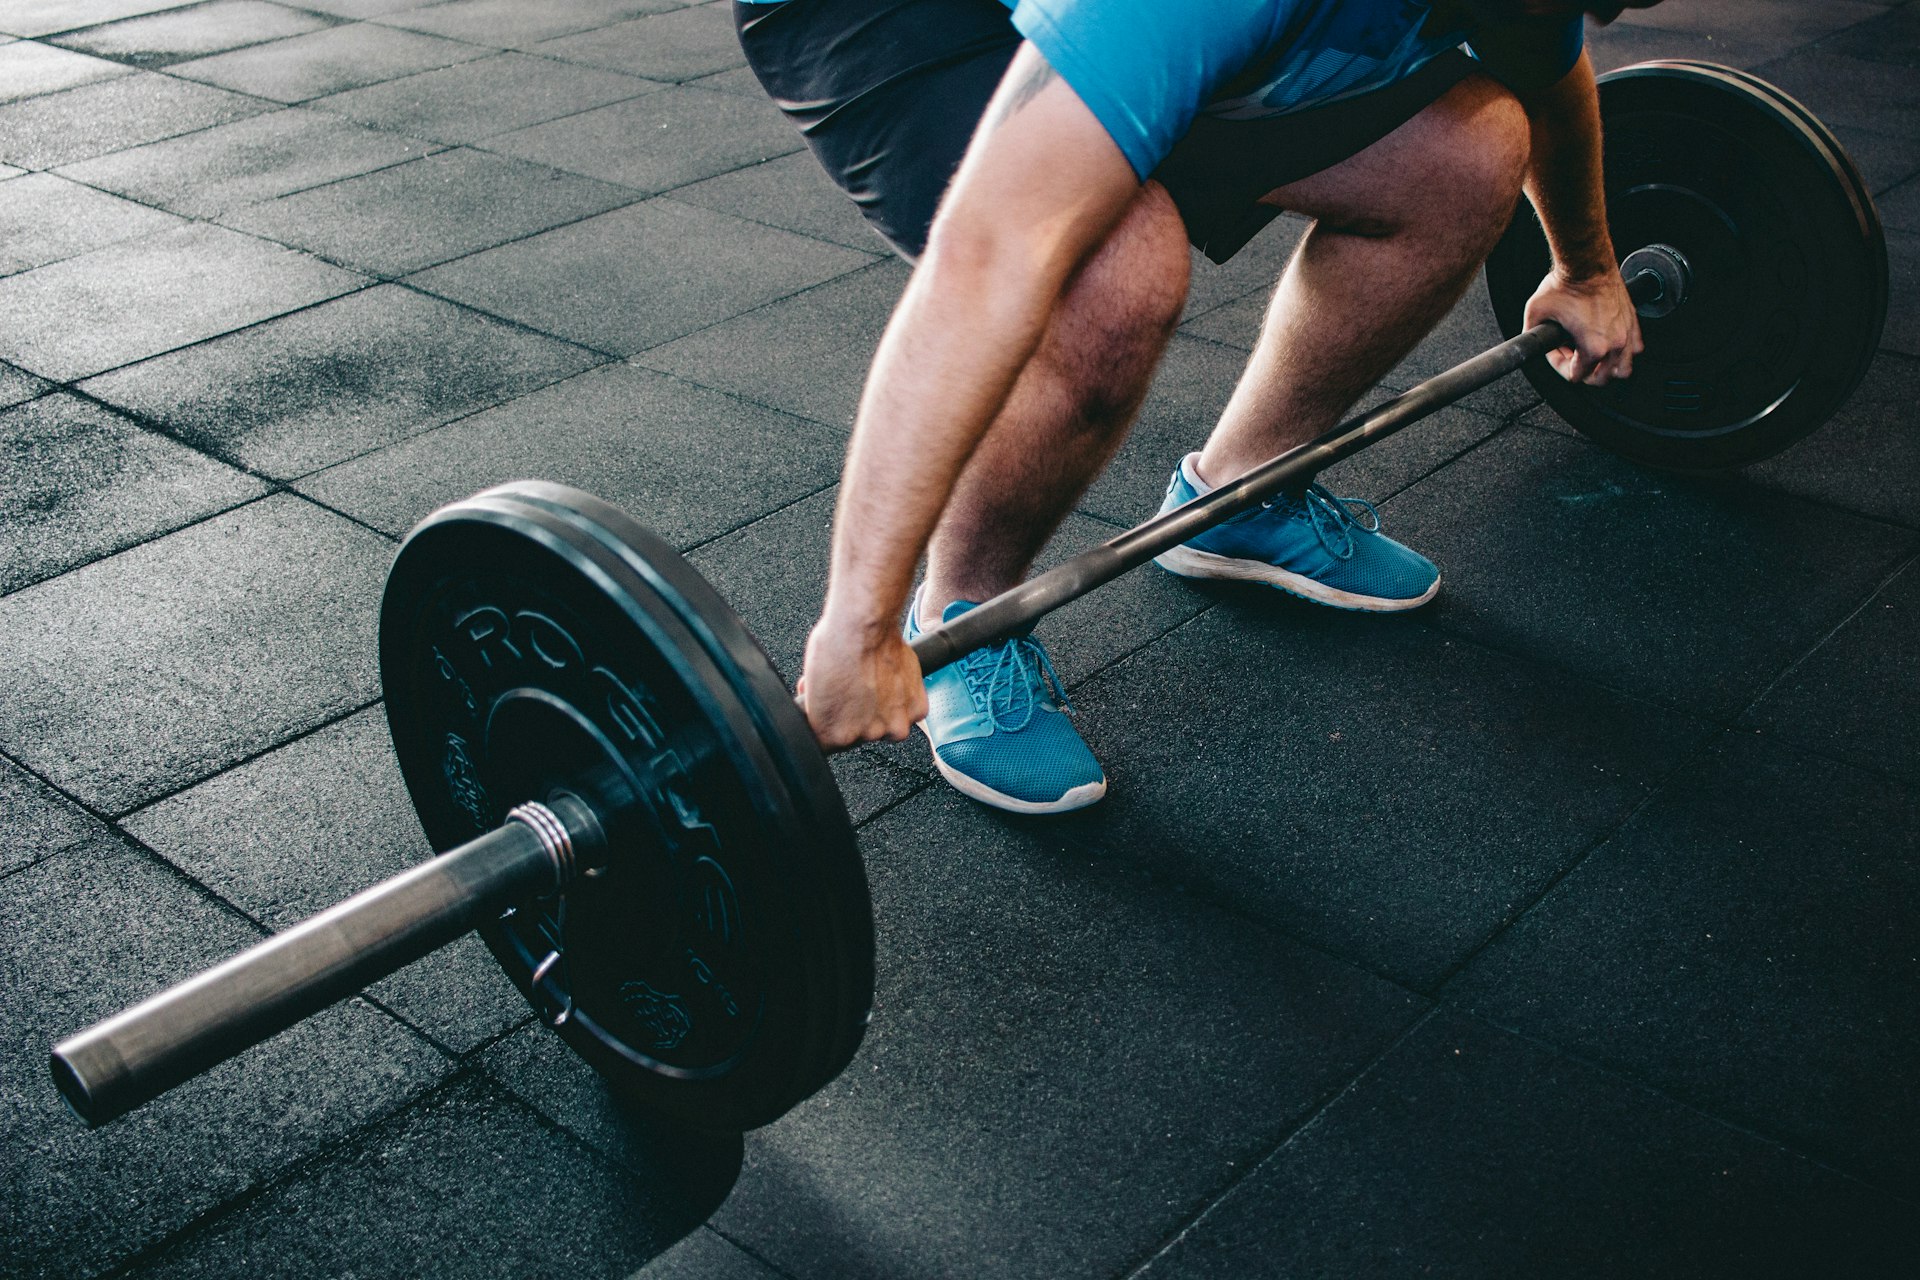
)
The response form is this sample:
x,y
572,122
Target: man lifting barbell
x,y
1055,270
639,821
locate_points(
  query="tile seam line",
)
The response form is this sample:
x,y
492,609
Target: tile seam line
x,y
158,427
406,281
874,261
271,106
435,148
1741,720
330,721
379,275
137,543
1310,1116
1744,1127
756,521
1699,751
72,384
272,1179
747,1249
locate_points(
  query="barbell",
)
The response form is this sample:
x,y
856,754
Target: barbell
x,y
629,806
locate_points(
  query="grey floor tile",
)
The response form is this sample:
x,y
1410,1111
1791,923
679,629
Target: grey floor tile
x,y
1737,946
810,351
18,386
1885,159
307,390
1893,36
1465,332
1789,22
1866,457
161,39
705,1255
471,100
1023,1103
204,174
1900,207
112,115
28,69
44,17
1862,92
91,931
359,8
289,834
511,24
640,276
740,80
1903,313
1189,392
664,140
792,192
326,61
1254,270
1689,591
549,1077
44,219
1232,324
690,464
1361,782
774,573
1858,695
1469,1152
427,211
133,300
870,784
159,667
39,821
679,45
489,1191
81,482
1623,45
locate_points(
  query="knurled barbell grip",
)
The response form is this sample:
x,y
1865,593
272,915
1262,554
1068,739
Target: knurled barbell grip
x,y
1012,612
134,1056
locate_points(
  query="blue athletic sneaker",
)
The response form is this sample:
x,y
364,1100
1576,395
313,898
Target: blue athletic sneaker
x,y
998,730
1321,548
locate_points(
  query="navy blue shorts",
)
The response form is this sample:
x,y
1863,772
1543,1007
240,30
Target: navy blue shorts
x,y
887,94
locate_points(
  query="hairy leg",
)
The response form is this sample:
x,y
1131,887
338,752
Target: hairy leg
x,y
1400,230
1069,410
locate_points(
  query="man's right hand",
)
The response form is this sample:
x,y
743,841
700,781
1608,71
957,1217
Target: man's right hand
x,y
860,685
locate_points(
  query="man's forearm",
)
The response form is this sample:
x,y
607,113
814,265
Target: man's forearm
x,y
1564,176
957,342
1041,187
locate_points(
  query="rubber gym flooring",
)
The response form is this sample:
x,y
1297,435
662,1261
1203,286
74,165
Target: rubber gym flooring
x,y
1565,928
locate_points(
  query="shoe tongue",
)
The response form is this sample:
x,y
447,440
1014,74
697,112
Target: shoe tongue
x,y
957,608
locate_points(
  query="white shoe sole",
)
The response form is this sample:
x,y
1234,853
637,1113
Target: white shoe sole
x,y
1188,563
1077,798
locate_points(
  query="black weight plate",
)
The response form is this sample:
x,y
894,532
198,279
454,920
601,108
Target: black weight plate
x,y
1789,262
720,966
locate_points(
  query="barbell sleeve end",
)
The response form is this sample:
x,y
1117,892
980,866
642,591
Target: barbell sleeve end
x,y
136,1055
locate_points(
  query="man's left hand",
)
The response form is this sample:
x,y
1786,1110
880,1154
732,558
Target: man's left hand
x,y
1598,313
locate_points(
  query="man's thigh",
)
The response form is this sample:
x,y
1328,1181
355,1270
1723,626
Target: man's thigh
x,y
1229,178
1453,170
886,92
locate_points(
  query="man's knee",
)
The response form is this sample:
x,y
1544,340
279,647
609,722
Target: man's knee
x,y
1480,148
1453,172
1130,293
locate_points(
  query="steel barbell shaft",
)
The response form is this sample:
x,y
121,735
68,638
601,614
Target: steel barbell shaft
x,y
135,1056
1012,612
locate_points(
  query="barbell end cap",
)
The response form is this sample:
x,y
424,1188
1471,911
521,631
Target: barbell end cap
x,y
1659,277
81,1098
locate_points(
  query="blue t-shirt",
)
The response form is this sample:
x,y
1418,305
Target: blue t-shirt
x,y
1146,68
